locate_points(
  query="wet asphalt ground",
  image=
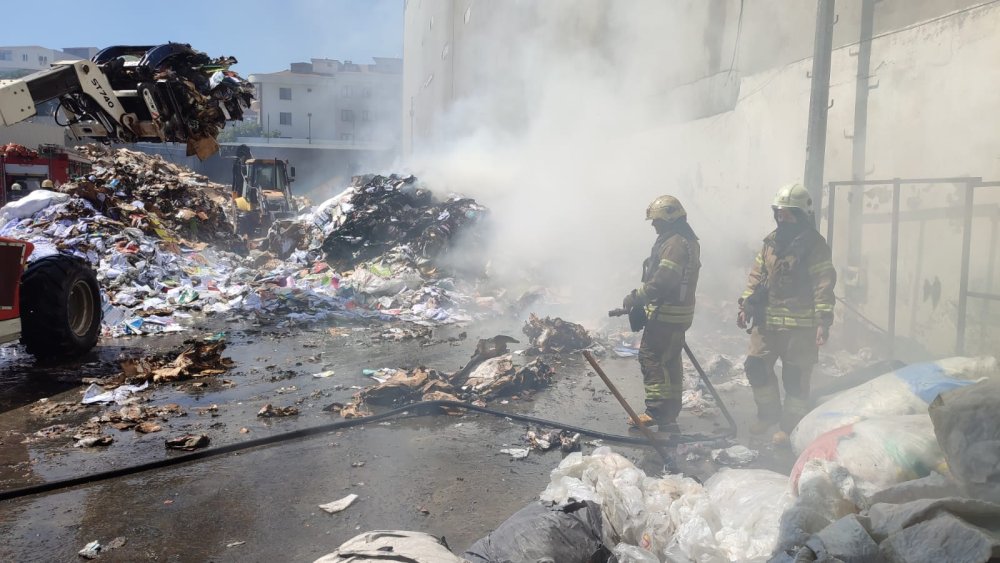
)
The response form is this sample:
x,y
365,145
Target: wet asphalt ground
x,y
444,475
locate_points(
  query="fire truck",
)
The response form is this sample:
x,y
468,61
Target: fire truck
x,y
29,168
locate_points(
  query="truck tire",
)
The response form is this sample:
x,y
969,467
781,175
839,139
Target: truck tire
x,y
60,307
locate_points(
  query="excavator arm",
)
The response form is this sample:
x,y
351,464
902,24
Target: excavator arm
x,y
129,94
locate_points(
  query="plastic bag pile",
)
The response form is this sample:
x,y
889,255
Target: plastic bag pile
x,y
732,517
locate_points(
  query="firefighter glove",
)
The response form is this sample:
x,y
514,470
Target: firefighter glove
x,y
631,300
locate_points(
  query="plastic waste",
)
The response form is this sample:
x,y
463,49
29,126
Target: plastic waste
x,y
389,545
908,390
967,426
30,204
537,532
118,395
339,505
879,452
733,517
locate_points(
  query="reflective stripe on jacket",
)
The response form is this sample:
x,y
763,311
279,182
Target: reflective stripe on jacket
x,y
670,278
800,279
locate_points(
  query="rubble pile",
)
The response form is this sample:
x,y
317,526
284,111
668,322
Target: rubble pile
x,y
555,335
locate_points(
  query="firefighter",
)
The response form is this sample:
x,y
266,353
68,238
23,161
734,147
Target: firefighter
x,y
48,185
669,280
789,304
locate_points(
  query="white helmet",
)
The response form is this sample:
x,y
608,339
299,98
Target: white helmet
x,y
793,196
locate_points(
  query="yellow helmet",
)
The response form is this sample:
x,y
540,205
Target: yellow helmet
x,y
793,196
666,207
48,184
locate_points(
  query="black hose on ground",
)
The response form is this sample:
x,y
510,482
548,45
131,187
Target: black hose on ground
x,y
421,408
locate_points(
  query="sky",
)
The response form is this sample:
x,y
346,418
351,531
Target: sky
x,y
264,35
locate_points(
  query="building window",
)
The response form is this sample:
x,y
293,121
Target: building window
x,y
347,115
6,55
346,137
348,91
366,93
24,57
285,118
42,59
364,115
285,93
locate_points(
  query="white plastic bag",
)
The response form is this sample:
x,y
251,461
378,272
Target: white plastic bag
x,y
879,452
908,390
749,503
30,204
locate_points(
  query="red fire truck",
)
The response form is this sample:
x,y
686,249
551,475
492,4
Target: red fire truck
x,y
29,168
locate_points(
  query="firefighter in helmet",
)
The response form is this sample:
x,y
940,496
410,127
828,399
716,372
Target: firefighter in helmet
x,y
789,305
669,280
48,185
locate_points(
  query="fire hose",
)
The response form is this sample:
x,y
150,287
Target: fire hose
x,y
413,409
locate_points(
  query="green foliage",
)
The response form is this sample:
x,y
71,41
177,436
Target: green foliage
x,y
244,129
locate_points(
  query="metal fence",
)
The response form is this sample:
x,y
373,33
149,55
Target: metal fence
x,y
970,184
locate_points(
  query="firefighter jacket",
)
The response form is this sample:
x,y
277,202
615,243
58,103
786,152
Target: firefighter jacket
x,y
670,277
798,279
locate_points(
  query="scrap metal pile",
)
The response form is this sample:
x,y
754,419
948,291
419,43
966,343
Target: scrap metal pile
x,y
158,236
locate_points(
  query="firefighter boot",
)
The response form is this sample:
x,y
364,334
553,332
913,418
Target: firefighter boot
x,y
768,401
646,419
650,417
667,421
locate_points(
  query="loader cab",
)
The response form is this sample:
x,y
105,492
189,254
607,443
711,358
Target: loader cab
x,y
262,193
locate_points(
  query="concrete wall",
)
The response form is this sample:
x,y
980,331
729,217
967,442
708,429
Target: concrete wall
x,y
928,118
373,97
30,58
931,115
450,54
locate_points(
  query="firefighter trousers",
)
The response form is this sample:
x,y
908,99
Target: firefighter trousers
x,y
662,372
797,350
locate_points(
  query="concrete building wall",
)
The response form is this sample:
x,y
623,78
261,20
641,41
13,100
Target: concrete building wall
x,y
361,106
450,54
931,115
30,58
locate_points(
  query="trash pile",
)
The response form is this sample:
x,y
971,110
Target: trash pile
x,y
550,335
489,374
156,196
158,236
385,219
382,215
